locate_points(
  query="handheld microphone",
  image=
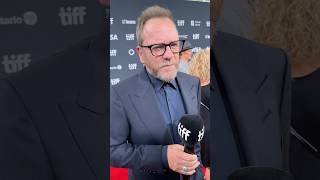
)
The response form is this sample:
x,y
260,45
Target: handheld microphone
x,y
191,131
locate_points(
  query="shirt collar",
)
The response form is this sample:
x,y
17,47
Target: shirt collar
x,y
157,83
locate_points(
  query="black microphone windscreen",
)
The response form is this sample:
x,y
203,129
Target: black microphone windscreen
x,y
191,129
260,173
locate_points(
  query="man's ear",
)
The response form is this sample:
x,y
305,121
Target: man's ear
x,y
139,53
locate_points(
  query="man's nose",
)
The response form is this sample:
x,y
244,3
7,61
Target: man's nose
x,y
168,54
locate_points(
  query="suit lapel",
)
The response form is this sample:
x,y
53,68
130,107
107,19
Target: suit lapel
x,y
145,103
189,95
89,132
87,113
246,105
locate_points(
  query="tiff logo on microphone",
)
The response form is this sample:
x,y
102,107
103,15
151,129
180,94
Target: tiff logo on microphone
x,y
201,134
15,62
183,132
72,15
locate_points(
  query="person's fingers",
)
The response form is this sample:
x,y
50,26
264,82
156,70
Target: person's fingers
x,y
187,172
178,147
195,165
180,161
189,169
188,163
188,157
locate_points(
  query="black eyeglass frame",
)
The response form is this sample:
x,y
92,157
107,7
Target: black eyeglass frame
x,y
165,45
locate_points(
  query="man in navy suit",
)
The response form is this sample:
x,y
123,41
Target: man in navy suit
x,y
146,107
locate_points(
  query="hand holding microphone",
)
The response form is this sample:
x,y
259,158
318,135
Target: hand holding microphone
x,y
181,162
182,159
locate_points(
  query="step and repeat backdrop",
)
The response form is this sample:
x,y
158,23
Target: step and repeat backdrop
x,y
192,20
34,29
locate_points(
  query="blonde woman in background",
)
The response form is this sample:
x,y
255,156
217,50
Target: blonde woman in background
x,y
294,25
199,66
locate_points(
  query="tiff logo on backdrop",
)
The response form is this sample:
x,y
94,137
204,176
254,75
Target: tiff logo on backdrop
x,y
195,36
201,134
132,66
129,37
180,22
113,52
72,15
15,62
114,81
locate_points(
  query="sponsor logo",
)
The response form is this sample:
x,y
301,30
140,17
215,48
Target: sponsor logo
x,y
114,37
118,67
126,21
195,23
183,36
29,18
208,23
131,52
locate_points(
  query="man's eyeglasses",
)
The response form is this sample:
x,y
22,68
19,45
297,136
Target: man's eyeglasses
x,y
160,49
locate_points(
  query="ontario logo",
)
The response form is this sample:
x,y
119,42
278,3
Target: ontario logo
x,y
29,18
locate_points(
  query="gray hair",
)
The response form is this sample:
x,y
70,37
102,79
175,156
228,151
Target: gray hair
x,y
149,13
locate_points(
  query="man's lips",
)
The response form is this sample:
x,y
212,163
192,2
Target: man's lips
x,y
167,65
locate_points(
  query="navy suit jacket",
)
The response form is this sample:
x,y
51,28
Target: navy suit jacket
x,y
138,129
256,82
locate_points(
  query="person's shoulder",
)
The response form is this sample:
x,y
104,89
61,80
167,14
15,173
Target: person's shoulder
x,y
53,65
128,84
250,49
56,73
231,40
186,76
192,80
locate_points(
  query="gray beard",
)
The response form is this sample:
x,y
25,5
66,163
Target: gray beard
x,y
167,80
161,77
